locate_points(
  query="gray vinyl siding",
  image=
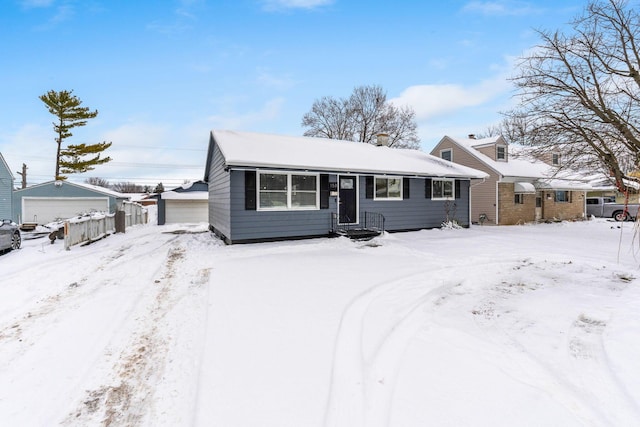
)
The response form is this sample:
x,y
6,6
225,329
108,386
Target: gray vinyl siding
x,y
417,212
219,195
6,187
265,225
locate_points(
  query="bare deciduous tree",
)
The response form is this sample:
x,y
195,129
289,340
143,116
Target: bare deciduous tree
x,y
100,182
128,187
361,117
580,91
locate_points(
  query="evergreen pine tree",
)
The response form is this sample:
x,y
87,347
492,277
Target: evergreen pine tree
x,y
72,159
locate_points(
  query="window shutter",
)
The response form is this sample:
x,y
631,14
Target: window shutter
x,y
427,188
369,187
405,188
324,191
457,188
250,190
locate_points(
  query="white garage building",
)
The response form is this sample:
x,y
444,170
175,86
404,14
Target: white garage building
x,y
186,204
54,200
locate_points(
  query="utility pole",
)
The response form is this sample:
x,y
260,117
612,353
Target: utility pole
x,y
23,174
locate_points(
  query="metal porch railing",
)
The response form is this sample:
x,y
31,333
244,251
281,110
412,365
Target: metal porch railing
x,y
371,224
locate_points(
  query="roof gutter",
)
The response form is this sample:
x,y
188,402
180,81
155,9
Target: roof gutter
x,y
347,172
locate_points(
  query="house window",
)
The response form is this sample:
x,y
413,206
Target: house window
x,y
519,199
282,191
446,155
501,152
304,191
388,188
555,159
442,189
563,197
273,191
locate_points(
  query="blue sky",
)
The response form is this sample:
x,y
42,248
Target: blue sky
x,y
164,73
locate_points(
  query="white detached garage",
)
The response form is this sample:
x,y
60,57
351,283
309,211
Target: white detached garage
x,y
186,204
51,201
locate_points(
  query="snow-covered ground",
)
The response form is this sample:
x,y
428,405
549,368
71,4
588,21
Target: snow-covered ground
x,y
166,326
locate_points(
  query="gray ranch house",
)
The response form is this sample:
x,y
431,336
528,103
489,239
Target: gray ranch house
x,y
265,187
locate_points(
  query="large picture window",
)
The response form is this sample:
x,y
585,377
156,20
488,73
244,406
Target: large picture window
x,y
442,189
388,188
282,191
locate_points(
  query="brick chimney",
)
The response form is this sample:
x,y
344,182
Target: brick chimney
x,y
382,140
472,136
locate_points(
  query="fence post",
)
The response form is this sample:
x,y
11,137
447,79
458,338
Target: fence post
x,y
67,238
120,221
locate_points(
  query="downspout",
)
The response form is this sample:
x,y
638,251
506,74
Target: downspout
x,y
497,199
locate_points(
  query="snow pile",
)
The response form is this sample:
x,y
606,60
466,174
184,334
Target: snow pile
x,y
166,326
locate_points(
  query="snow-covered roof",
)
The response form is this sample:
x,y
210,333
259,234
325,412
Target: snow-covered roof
x,y
517,164
247,149
101,189
562,184
185,195
95,188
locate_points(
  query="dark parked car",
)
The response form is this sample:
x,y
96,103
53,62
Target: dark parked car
x,y
9,235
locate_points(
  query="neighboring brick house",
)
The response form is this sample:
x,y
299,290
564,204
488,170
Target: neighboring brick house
x,y
519,188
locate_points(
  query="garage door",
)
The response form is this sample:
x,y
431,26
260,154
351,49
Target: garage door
x,y
44,210
186,211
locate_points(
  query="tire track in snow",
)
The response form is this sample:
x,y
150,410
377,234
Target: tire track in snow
x,y
129,398
20,329
362,384
363,381
584,345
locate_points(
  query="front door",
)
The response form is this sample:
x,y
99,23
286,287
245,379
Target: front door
x,y
538,205
348,199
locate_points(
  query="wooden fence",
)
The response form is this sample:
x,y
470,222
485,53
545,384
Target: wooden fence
x,y
88,228
91,227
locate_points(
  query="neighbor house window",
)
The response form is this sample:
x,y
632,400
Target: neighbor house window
x,y
563,196
555,159
388,188
519,199
446,155
442,189
281,191
501,152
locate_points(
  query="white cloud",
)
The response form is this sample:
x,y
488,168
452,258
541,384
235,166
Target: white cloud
x,y
30,4
268,79
501,8
148,153
63,12
295,4
430,100
32,145
231,120
459,109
